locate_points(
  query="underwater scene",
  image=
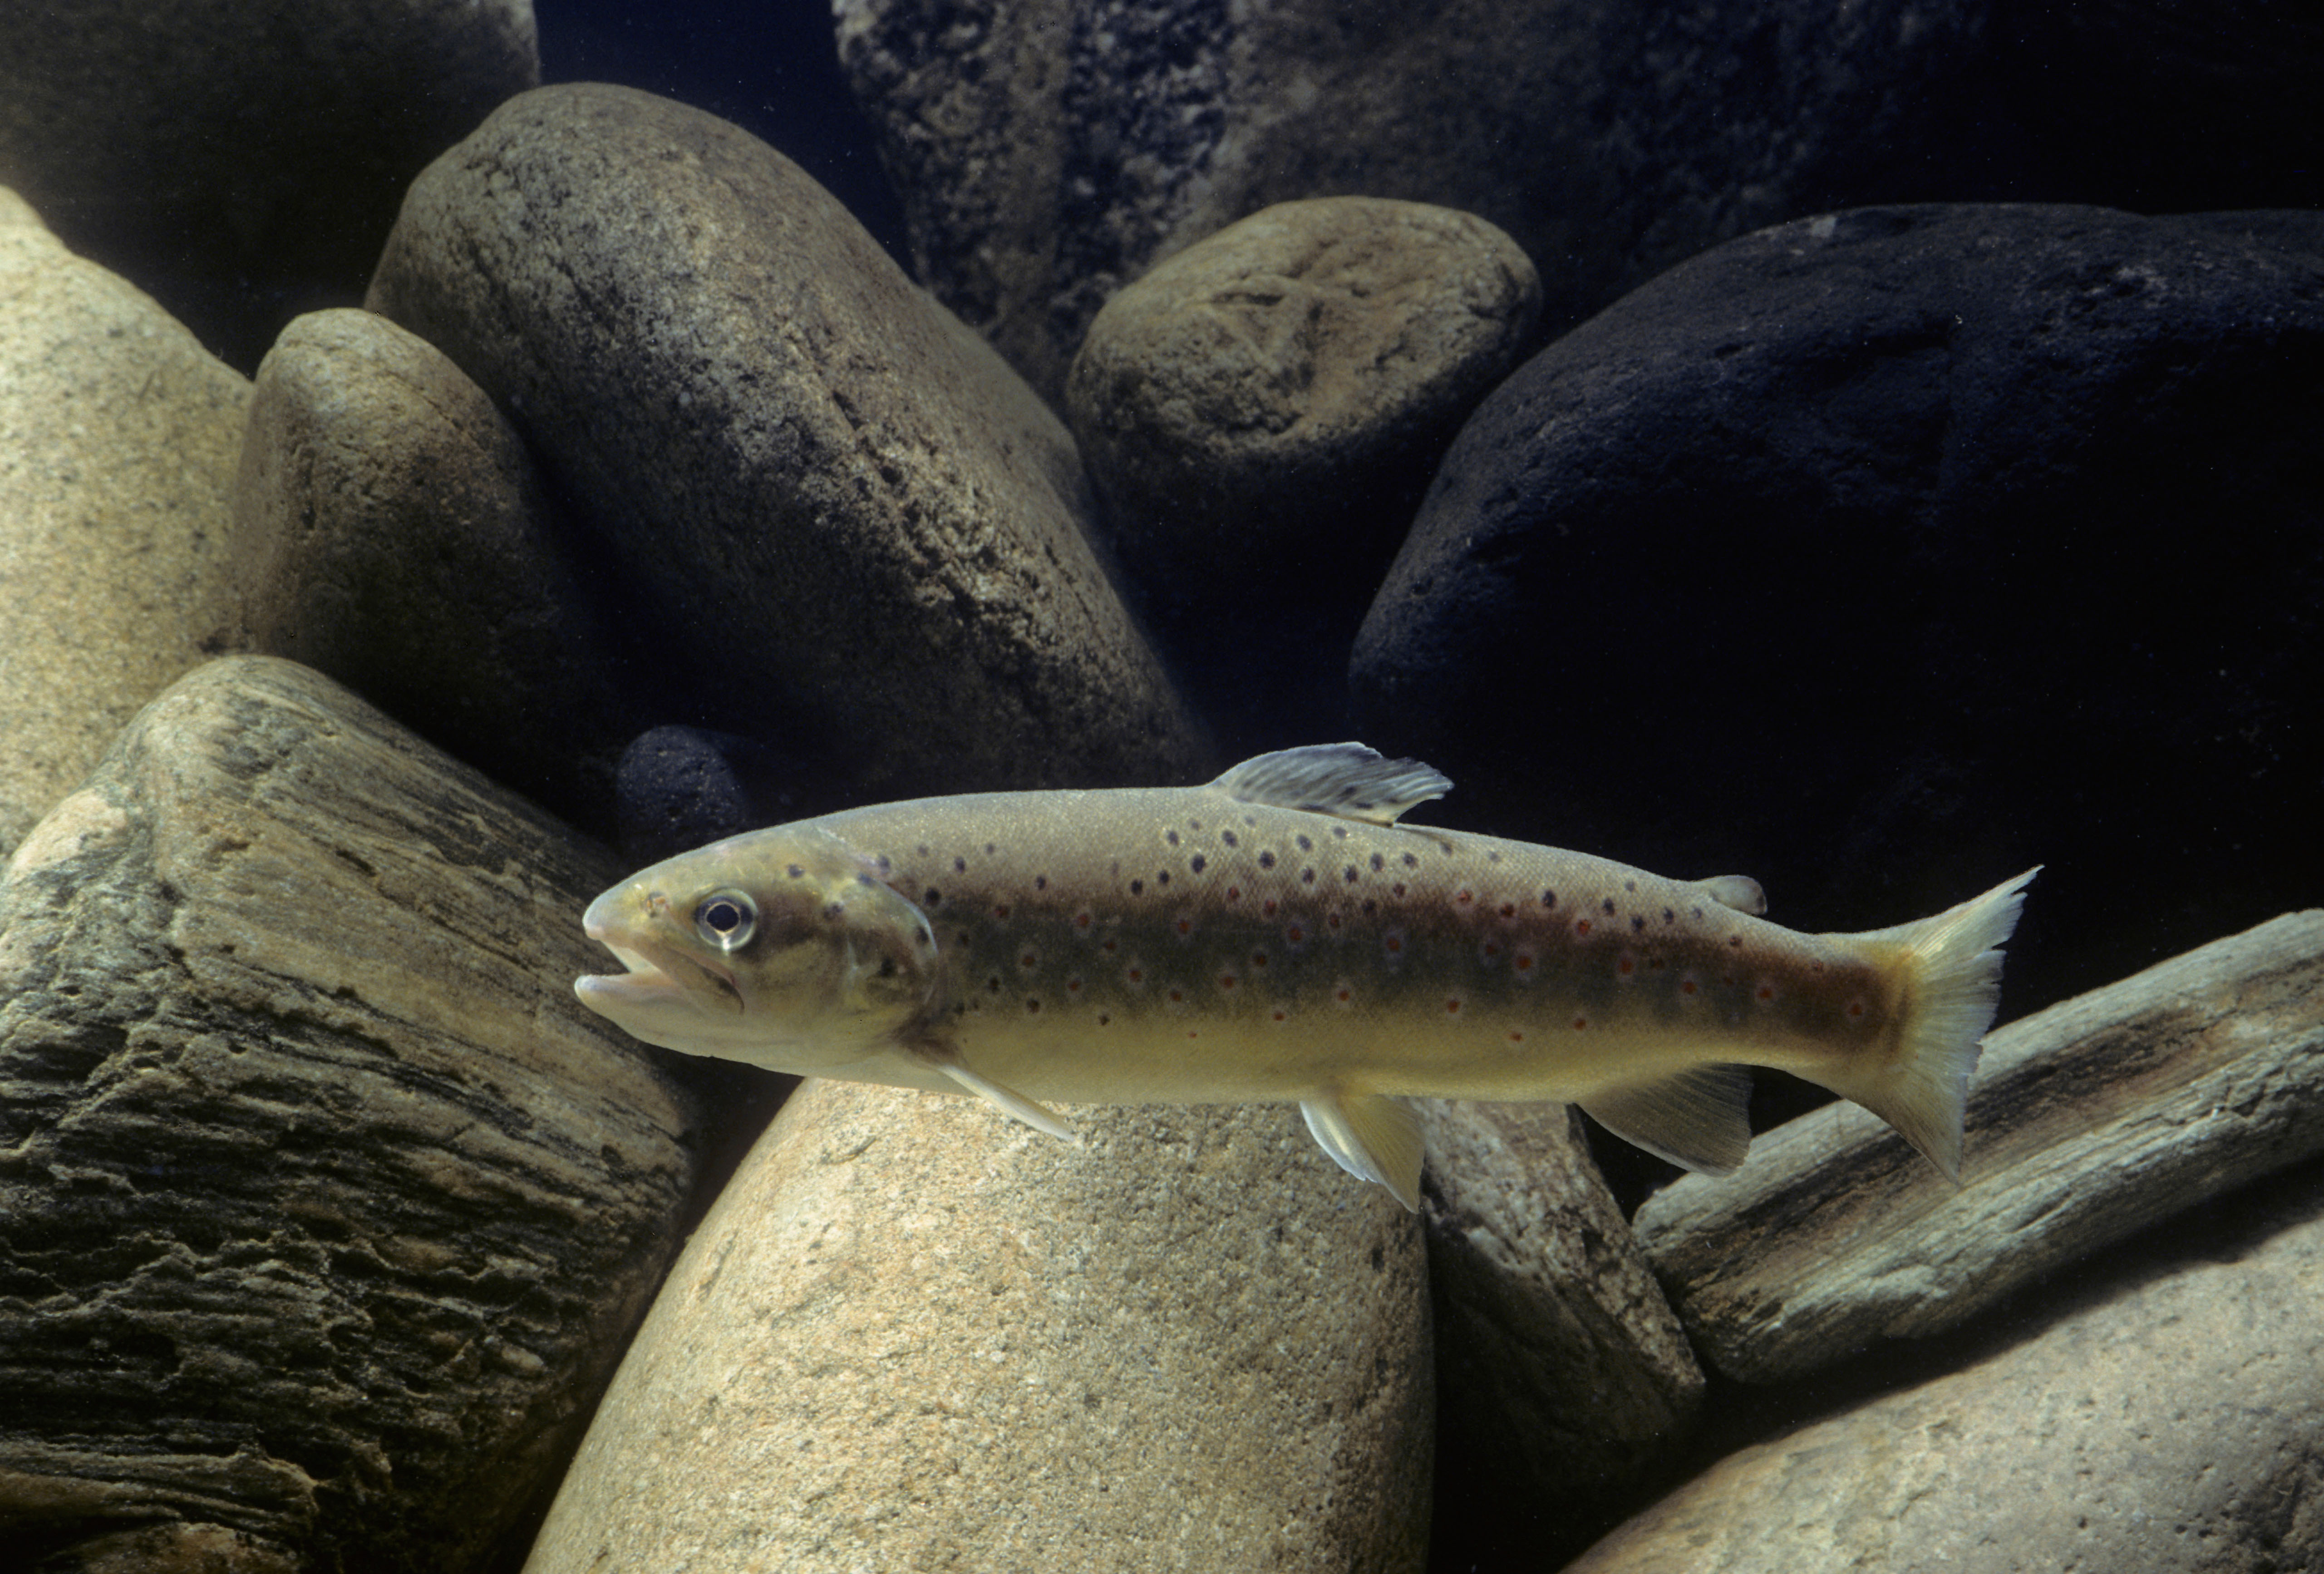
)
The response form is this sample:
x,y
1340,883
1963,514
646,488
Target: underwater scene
x,y
1319,786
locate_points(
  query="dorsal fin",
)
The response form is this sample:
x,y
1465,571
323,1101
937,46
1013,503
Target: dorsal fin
x,y
1346,780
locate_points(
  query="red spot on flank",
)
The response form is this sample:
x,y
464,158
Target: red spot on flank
x,y
1855,1008
1185,926
1626,966
1766,992
1258,959
1138,975
1492,950
1523,962
1025,960
1278,1016
1295,934
1394,942
1343,995
1582,928
1687,988
1580,1022
1270,908
1175,995
1001,911
1108,945
1073,983
1235,893
1452,1005
1517,1038
1508,910
1226,980
1334,920
1081,920
1464,896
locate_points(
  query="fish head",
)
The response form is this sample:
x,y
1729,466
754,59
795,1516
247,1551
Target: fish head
x,y
781,948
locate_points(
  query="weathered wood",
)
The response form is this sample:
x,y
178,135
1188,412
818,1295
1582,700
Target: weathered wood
x,y
324,1206
2088,1121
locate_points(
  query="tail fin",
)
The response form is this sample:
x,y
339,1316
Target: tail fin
x,y
1954,972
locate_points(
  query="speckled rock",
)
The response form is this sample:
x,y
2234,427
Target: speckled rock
x,y
2169,1418
390,532
243,162
1261,413
1859,555
1566,1388
118,440
2087,1123
1050,151
328,1208
846,525
913,1335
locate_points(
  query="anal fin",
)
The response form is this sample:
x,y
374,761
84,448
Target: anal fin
x,y
1032,1113
1698,1120
1372,1137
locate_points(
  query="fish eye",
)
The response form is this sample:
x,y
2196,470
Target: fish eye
x,y
726,919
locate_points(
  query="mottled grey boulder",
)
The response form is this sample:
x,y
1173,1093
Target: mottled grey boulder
x,y
1884,554
1260,415
327,1207
844,524
243,162
2170,1419
912,1334
118,440
1048,151
391,531
1566,1388
2110,1113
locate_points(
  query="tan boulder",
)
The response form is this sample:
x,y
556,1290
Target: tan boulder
x,y
911,1334
118,440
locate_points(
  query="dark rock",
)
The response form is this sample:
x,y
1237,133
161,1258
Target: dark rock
x,y
328,1208
244,164
1261,414
1565,1387
844,524
680,787
390,532
1884,553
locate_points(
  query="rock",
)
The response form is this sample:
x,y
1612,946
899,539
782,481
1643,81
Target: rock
x,y
243,169
118,439
1565,1387
846,525
391,531
329,1207
1790,562
1261,414
682,787
1049,154
2094,1120
911,1334
2168,1418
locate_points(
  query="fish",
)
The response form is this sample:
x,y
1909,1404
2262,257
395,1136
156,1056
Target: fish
x,y
1279,934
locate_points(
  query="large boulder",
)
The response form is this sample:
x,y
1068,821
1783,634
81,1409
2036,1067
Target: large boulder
x,y
1884,553
913,1335
842,520
118,440
329,1209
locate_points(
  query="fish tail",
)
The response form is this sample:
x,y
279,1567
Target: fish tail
x,y
1951,988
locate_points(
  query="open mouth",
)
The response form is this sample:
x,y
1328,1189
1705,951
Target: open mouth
x,y
655,979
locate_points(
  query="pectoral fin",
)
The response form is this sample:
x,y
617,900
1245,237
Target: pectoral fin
x,y
1698,1120
1372,1138
1033,1115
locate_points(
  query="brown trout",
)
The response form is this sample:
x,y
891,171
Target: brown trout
x,y
1277,935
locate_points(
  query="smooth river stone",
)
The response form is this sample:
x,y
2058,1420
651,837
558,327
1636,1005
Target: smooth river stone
x,y
913,1335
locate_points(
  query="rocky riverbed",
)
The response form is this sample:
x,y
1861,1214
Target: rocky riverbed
x,y
1750,439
